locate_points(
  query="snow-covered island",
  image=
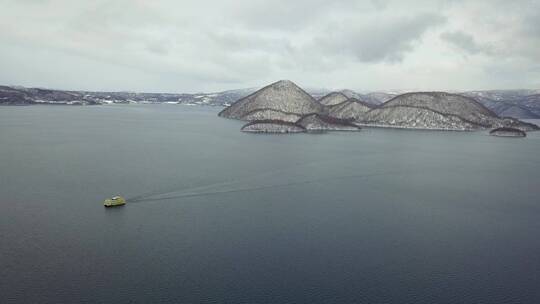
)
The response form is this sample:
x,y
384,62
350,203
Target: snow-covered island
x,y
272,126
283,103
507,132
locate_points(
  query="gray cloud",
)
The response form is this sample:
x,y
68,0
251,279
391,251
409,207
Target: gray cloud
x,y
374,41
286,15
465,42
203,45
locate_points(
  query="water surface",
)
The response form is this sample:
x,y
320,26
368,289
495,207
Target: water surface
x,y
377,216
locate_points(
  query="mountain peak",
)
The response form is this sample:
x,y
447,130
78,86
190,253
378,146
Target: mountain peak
x,y
333,98
275,101
284,83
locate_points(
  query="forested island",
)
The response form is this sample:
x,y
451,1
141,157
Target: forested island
x,y
284,107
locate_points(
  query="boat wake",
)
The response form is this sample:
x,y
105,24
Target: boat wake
x,y
207,191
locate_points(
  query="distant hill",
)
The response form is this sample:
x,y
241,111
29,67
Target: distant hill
x,y
28,96
523,104
415,118
374,98
445,103
283,104
283,107
438,110
333,98
350,109
510,103
274,102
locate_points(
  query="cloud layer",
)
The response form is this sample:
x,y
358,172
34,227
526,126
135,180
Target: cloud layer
x,y
188,46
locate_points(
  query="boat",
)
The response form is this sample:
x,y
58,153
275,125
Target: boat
x,y
114,201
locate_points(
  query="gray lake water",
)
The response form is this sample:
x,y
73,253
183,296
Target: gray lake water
x,y
377,216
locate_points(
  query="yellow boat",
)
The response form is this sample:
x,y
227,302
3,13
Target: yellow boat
x,y
115,201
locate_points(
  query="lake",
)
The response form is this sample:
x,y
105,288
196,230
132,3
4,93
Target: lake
x,y
377,216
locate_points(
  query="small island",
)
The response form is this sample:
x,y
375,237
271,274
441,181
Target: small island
x,y
507,132
272,126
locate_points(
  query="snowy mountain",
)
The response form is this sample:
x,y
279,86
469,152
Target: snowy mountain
x,y
278,101
27,96
282,106
510,103
523,104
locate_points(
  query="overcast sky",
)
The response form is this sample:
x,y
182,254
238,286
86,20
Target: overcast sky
x,y
200,45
